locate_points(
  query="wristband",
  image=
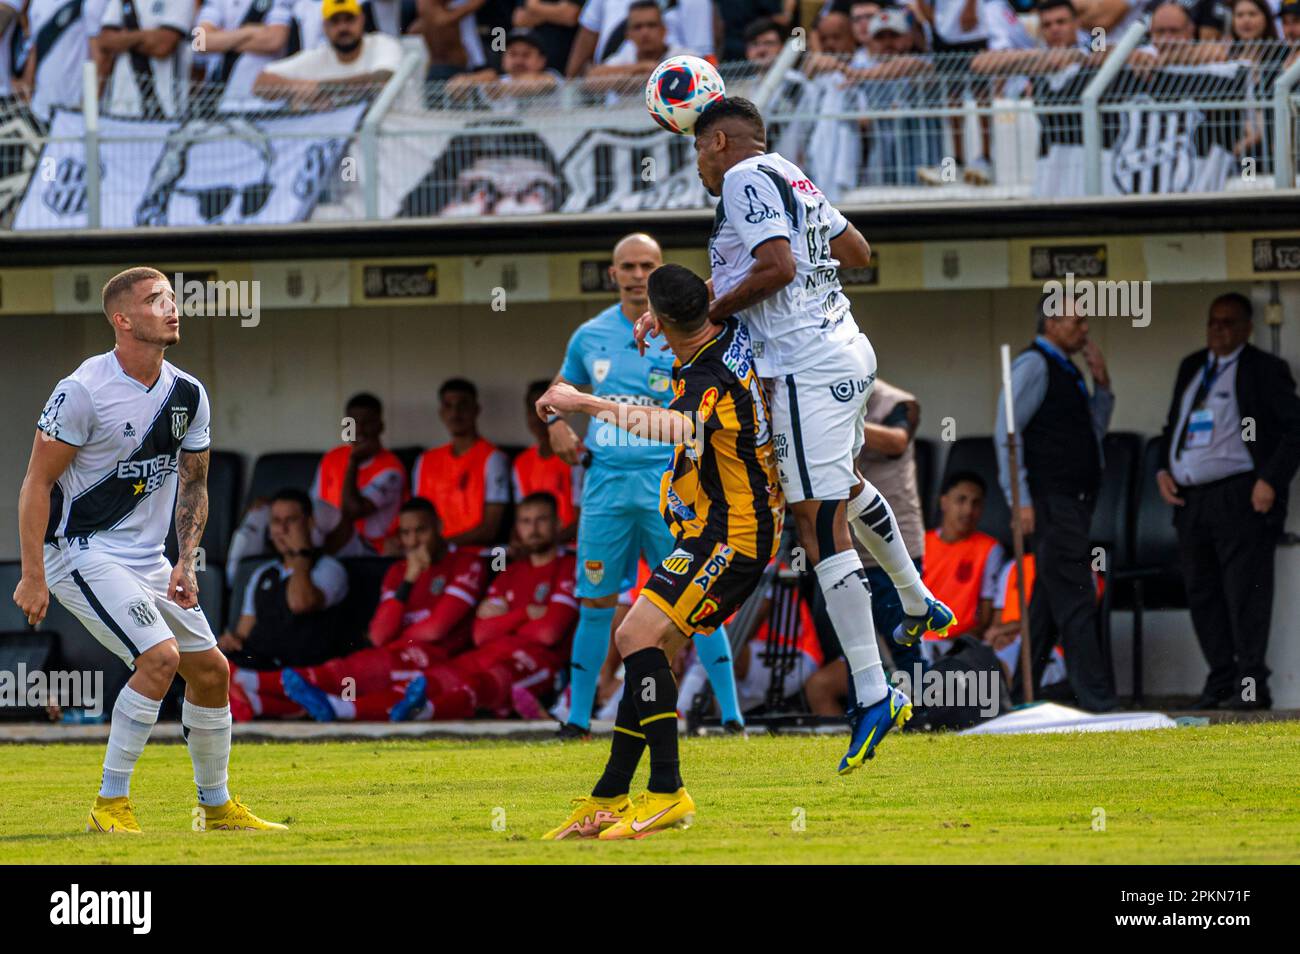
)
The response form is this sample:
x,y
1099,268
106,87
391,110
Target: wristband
x,y
552,419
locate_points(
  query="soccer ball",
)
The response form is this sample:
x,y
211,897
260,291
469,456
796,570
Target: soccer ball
x,y
680,88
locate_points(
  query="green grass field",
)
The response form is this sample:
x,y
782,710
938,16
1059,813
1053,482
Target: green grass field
x,y
1219,794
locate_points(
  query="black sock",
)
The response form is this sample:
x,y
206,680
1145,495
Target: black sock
x,y
649,680
624,751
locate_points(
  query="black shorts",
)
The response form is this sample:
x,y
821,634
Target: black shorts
x,y
701,583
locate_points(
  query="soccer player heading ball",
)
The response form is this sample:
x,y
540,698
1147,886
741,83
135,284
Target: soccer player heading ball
x,y
775,254
722,499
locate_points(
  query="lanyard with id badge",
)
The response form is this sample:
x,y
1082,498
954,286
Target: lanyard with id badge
x,y
1198,432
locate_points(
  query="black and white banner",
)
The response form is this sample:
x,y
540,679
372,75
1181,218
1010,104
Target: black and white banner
x,y
221,170
1152,144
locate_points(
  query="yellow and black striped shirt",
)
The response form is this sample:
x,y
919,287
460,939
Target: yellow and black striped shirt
x,y
724,482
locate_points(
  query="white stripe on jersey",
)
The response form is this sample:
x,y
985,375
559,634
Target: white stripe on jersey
x,y
768,197
117,496
61,45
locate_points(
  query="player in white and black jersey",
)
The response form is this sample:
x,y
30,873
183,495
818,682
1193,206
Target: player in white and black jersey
x,y
61,33
122,445
775,254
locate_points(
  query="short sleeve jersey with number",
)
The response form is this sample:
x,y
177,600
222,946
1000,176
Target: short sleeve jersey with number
x,y
116,498
766,198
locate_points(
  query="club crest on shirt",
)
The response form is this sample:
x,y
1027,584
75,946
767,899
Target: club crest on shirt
x,y
595,570
678,562
180,422
542,593
437,585
142,612
707,403
660,380
600,369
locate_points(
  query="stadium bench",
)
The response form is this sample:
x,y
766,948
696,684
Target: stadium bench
x,y
926,454
271,472
977,454
12,619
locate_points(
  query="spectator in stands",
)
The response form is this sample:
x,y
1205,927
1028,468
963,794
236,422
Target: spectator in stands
x,y
1112,16
633,63
861,13
764,39
603,31
1229,488
1060,43
238,39
466,479
354,64
147,52
554,23
1290,16
523,71
1059,429
538,469
11,17
307,28
290,613
450,31
1211,19
53,71
423,617
737,16
359,485
1252,22
520,637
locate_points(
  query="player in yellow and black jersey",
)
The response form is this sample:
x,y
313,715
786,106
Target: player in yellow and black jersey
x,y
722,499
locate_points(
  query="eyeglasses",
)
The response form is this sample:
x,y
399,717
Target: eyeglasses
x,y
214,202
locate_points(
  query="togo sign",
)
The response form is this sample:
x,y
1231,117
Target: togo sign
x,y
1057,261
1276,254
400,281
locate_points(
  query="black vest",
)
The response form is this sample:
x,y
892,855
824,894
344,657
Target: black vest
x,y
1060,446
284,638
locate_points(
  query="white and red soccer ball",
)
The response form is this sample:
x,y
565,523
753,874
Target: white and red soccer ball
x,y
680,89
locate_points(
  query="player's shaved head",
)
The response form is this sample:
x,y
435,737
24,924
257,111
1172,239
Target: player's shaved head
x,y
121,284
679,299
728,132
736,116
636,243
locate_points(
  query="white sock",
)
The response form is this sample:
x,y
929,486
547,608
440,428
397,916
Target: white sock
x,y
848,603
344,710
873,523
207,733
134,716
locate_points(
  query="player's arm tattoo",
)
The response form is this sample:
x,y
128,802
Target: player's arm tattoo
x,y
191,504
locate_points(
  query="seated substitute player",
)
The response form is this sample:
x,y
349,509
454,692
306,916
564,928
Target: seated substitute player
x,y
775,251
122,438
423,617
359,486
539,469
521,632
467,479
722,498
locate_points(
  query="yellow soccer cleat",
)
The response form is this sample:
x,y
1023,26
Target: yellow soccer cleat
x,y
233,816
113,816
590,816
652,812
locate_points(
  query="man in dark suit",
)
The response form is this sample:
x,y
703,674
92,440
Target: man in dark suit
x,y
1230,446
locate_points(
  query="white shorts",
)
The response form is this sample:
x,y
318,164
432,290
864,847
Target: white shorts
x,y
819,420
126,608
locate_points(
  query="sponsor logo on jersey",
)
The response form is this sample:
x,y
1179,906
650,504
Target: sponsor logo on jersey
x,y
707,403
660,380
720,560
595,570
844,391
678,562
600,369
129,430
142,612
146,475
706,608
739,356
715,257
759,211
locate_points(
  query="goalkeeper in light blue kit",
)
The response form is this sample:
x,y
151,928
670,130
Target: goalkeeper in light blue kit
x,y
620,519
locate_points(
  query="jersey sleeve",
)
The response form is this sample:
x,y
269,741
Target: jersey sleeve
x,y
992,572
199,435
467,584
386,489
496,479
69,414
591,17
208,13
574,369
281,13
331,579
754,208
250,589
112,15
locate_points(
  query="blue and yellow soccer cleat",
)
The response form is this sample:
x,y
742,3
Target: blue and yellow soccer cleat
x,y
114,816
314,700
590,816
232,816
652,812
936,619
869,724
